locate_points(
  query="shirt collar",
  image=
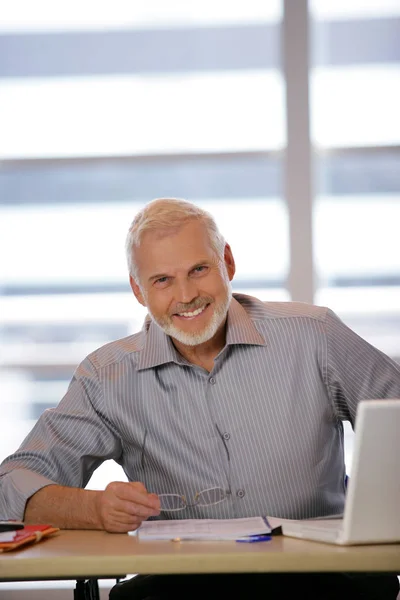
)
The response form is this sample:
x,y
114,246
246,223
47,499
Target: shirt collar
x,y
240,327
158,348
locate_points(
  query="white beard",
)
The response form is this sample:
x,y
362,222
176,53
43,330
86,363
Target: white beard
x,y
199,337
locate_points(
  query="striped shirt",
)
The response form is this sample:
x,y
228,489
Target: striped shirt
x,y
265,424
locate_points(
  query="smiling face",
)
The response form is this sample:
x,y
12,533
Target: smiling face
x,y
183,284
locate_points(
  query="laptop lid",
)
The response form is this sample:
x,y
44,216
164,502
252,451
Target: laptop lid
x,y
372,510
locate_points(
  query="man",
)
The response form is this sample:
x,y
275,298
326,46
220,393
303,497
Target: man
x,y
232,403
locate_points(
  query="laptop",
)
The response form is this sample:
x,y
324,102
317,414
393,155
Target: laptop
x,y
372,507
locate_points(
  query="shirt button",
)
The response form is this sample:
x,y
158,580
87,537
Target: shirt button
x,y
240,493
212,380
227,436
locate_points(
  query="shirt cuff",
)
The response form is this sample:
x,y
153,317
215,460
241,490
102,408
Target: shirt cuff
x,y
16,489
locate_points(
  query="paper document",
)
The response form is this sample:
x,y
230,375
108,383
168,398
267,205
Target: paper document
x,y
7,536
202,529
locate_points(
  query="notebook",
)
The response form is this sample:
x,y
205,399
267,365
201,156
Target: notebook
x,y
372,506
30,534
203,529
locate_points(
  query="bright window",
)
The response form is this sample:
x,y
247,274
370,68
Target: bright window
x,y
102,108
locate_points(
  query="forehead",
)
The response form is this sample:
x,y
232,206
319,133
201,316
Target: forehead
x,y
163,250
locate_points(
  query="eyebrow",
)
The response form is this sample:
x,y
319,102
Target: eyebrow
x,y
160,275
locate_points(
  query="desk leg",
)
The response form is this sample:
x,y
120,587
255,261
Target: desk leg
x,y
87,590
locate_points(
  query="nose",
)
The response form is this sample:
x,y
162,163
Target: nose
x,y
186,290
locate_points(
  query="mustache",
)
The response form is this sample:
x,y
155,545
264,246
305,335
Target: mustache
x,y
191,306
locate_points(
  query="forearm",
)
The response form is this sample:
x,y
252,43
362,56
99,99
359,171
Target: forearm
x,y
64,507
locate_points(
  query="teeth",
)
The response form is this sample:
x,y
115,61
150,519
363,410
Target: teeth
x,y
192,314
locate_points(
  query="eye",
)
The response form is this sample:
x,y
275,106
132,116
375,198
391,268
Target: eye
x,y
200,269
161,282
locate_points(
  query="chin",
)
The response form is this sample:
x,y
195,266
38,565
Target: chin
x,y
194,338
191,339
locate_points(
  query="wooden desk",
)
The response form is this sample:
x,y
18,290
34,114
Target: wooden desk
x,y
96,554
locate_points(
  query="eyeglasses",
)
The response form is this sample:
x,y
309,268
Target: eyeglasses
x,y
175,502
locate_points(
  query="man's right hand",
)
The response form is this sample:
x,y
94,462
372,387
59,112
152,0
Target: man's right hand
x,y
122,506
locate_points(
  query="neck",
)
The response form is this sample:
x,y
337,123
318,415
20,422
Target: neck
x,y
203,354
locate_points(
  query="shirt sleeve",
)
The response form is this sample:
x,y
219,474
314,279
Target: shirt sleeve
x,y
65,446
356,370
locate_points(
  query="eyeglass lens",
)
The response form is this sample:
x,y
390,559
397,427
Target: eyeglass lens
x,y
205,498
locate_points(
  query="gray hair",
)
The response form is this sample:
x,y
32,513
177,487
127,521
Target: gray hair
x,y
169,214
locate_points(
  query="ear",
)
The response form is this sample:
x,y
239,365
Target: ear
x,y
136,290
229,262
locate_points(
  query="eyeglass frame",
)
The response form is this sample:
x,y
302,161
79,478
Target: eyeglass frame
x,y
186,505
197,494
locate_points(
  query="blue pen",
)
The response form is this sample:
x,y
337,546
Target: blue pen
x,y
254,538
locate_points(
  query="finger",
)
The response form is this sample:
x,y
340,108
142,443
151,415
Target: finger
x,y
121,522
156,499
116,527
139,497
138,485
135,510
124,519
112,503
